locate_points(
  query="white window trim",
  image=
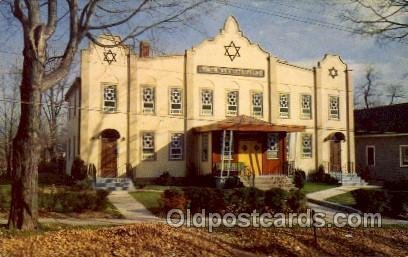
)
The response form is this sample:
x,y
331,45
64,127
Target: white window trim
x,y
154,146
181,148
172,111
366,155
284,115
338,108
104,85
148,110
401,165
252,104
302,114
202,111
228,112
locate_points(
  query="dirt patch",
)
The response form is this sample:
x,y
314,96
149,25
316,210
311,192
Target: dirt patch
x,y
162,240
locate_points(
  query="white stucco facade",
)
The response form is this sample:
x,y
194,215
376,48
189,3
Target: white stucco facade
x,y
229,61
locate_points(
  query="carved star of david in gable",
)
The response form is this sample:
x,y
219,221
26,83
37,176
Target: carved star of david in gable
x,y
109,56
232,51
333,72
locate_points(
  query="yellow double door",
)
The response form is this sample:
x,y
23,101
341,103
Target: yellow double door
x,y
250,153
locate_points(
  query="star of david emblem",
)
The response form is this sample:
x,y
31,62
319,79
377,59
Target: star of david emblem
x,y
333,72
109,56
232,51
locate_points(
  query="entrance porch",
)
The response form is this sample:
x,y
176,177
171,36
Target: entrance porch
x,y
247,147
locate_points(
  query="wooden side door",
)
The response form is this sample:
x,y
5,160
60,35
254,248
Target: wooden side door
x,y
109,158
335,156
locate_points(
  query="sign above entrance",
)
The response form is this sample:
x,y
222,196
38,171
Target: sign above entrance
x,y
231,71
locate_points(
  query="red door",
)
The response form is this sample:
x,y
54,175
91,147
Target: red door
x,y
109,158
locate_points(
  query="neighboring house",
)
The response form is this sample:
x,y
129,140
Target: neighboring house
x,y
225,104
382,141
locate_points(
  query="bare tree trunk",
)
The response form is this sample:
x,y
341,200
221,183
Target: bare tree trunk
x,y
24,208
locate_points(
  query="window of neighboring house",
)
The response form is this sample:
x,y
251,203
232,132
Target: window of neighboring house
x,y
232,103
148,100
334,108
306,106
284,105
307,146
176,101
370,155
206,102
257,104
228,147
109,98
148,146
204,147
176,146
273,146
404,155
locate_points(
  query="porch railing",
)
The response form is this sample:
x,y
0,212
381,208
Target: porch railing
x,y
348,167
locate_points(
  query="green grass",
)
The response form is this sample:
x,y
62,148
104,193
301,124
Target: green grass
x,y
149,199
311,187
343,199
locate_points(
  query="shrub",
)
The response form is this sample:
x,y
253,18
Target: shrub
x,y
401,184
165,179
275,199
73,201
244,199
201,180
78,169
371,200
85,184
173,199
210,199
296,201
320,176
299,178
398,203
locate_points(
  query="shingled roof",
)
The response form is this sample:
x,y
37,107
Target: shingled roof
x,y
247,123
382,119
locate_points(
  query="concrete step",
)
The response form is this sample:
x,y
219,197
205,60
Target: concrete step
x,y
268,182
114,184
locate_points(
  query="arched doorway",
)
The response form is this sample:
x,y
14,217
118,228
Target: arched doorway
x,y
109,153
335,151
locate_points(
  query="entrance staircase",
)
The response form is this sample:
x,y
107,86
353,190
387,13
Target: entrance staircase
x,y
114,184
268,182
348,179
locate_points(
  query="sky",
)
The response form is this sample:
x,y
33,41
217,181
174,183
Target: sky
x,y
287,29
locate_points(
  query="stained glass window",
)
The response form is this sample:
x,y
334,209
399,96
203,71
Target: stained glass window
x,y
232,103
306,106
148,151
307,146
284,105
206,102
176,101
109,98
273,146
148,99
176,146
334,111
257,104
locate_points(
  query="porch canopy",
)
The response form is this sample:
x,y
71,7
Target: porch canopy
x,y
247,123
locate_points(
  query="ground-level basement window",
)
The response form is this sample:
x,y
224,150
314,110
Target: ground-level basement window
x,y
370,155
404,155
148,151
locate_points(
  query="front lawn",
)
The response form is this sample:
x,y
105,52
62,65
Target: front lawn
x,y
149,199
343,199
311,187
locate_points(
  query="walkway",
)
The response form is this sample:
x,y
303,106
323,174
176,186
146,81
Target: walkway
x,y
129,207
